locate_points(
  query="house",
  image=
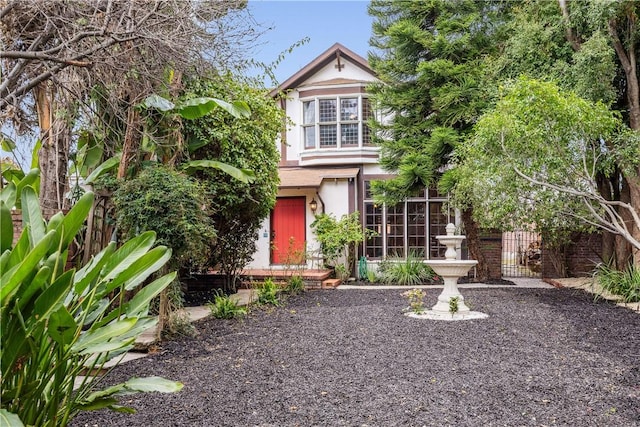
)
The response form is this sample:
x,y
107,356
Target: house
x,y
327,164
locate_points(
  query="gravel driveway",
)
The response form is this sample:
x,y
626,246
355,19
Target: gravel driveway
x,y
351,358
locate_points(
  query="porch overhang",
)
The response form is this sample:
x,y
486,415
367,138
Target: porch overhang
x,y
312,178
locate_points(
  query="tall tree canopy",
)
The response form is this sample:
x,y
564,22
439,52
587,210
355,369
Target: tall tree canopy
x,y
429,57
89,64
589,48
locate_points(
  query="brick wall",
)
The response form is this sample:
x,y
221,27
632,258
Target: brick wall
x,y
579,257
491,247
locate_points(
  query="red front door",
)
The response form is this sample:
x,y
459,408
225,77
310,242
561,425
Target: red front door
x,y
288,231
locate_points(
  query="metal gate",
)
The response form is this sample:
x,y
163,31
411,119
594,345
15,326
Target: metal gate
x,y
521,254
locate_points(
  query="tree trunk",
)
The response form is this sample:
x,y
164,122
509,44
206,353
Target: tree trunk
x,y
626,53
131,144
473,243
55,137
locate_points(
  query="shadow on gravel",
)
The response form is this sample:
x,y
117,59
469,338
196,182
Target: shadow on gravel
x,y
351,358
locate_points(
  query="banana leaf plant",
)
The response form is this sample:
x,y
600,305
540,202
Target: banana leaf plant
x,y
58,326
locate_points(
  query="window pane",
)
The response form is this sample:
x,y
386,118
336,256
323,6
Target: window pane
x,y
366,115
417,228
437,227
327,110
328,135
395,230
349,109
373,221
309,112
367,190
310,137
349,134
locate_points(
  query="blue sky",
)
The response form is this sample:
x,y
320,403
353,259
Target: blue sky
x,y
323,22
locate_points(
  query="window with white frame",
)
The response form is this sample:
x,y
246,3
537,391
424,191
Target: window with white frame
x,y
408,227
335,122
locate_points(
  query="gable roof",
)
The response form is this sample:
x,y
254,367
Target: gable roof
x,y
335,52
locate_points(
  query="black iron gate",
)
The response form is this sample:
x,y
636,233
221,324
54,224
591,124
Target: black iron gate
x,y
521,254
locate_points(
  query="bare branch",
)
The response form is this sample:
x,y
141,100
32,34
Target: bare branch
x,y
42,57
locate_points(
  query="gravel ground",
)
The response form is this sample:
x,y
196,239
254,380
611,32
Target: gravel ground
x,y
351,358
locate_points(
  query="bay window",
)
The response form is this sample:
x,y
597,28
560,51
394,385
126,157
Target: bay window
x,y
336,122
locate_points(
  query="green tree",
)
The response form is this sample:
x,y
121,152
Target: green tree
x,y
238,208
536,158
429,57
588,47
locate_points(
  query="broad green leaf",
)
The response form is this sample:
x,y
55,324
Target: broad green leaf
x,y
31,179
6,227
7,143
195,143
143,324
75,218
36,284
99,336
107,392
140,302
12,278
148,264
4,261
20,249
35,163
199,107
91,270
62,327
243,175
157,384
12,175
158,102
8,419
9,194
108,346
104,167
32,215
96,310
51,299
96,404
55,221
124,257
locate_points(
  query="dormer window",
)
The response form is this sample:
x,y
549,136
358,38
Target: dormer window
x,y
336,122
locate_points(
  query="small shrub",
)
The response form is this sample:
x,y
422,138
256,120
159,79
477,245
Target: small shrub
x,y
625,283
454,305
225,307
268,292
372,277
416,300
295,285
409,271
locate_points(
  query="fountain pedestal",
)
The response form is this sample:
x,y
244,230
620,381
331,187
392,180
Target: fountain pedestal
x,y
451,271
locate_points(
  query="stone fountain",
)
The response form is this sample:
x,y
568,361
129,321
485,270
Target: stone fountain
x,y
450,269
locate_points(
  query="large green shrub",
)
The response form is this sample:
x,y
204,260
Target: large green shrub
x,y
58,324
238,208
173,205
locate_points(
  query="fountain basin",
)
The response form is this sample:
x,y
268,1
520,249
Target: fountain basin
x,y
448,268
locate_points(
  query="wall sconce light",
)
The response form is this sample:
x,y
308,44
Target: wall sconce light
x,y
313,205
